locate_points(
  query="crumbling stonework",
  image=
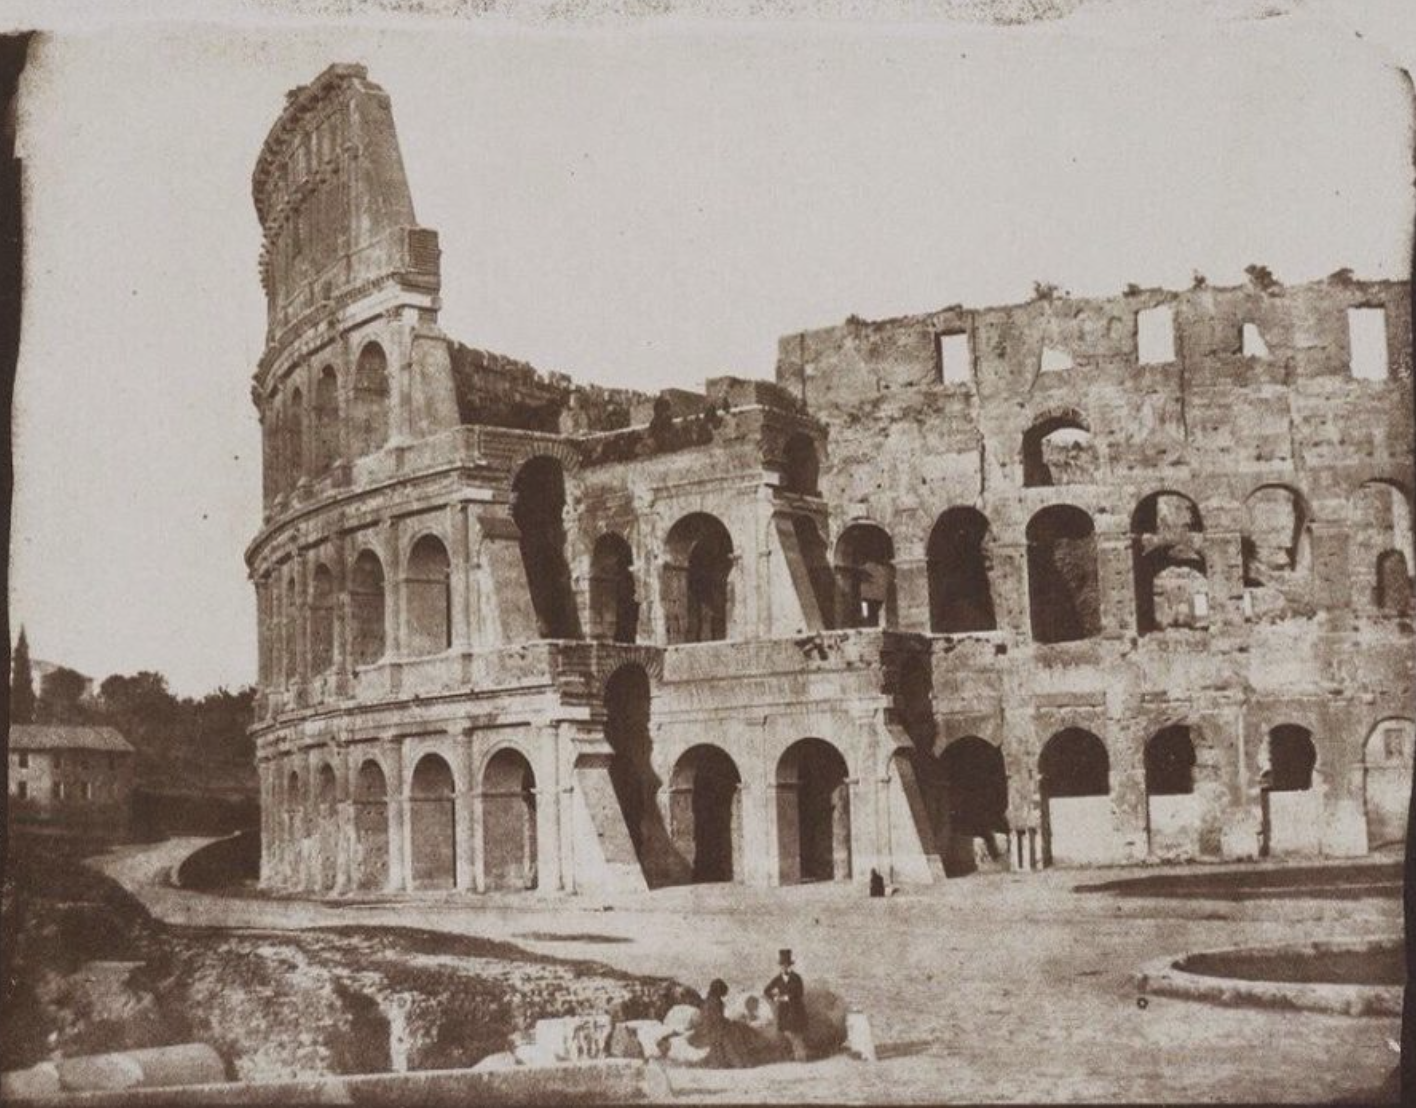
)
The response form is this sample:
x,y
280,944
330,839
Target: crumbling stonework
x,y
1067,581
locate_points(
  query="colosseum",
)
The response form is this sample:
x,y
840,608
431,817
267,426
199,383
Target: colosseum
x,y
1068,582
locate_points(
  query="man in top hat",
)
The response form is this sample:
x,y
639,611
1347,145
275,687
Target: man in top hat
x,y
786,993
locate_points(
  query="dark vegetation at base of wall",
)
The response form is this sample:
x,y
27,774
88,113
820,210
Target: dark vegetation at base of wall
x,y
84,969
232,861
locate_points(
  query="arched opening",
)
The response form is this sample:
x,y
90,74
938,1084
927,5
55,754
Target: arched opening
x,y
292,630
538,507
509,821
368,427
366,609
1386,760
705,814
326,420
1291,807
976,798
698,562
1167,549
801,469
295,439
614,611
1074,779
865,576
960,597
1058,450
1393,583
813,813
370,827
1275,548
627,732
321,620
1063,590
327,828
432,815
1172,814
428,596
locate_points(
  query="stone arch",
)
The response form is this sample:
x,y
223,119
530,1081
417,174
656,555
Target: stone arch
x,y
865,576
801,467
326,827
508,821
697,580
367,609
1382,556
1058,450
813,813
1074,780
321,619
432,815
975,781
627,730
614,611
291,617
1064,598
1275,537
428,597
958,563
295,439
538,507
370,868
1386,765
368,425
1168,560
326,413
705,814
1291,808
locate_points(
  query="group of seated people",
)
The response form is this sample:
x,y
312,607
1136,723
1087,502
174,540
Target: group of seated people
x,y
735,1043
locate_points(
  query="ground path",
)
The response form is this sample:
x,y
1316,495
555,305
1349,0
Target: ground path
x,y
992,988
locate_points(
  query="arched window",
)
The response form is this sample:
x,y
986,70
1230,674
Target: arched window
x,y
369,423
1382,539
509,821
813,813
295,439
705,814
538,506
1063,592
292,616
614,612
326,420
960,597
370,869
801,469
1058,450
1074,763
366,609
432,815
698,560
428,593
1393,583
1291,759
1167,547
865,575
321,620
1170,762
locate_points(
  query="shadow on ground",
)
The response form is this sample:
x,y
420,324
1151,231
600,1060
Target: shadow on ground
x,y
1289,882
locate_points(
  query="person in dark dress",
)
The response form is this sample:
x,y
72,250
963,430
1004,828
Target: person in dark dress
x,y
730,1045
788,996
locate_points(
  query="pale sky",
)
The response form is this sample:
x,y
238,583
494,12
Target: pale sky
x,y
640,204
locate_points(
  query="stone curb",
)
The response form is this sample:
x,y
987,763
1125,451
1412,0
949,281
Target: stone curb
x,y
1167,977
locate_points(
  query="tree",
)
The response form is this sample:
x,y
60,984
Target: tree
x,y
60,693
21,683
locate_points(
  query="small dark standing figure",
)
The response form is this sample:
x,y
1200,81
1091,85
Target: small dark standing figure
x,y
787,995
877,883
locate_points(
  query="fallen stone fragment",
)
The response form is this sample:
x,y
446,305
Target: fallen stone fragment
x,y
859,1039
681,1050
37,1081
681,1018
624,1043
505,1060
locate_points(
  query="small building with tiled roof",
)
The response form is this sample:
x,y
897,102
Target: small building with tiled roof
x,y
70,778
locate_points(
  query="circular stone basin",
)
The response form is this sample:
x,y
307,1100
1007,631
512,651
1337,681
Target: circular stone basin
x,y
1361,977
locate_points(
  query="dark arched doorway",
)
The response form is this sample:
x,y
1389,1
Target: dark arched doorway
x,y
698,561
705,814
865,576
1063,588
538,507
813,813
976,802
508,821
960,597
1074,774
614,611
432,813
1291,807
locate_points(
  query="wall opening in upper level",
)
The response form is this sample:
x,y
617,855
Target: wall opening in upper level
x,y
321,620
1063,590
1275,536
1167,545
295,439
865,575
1058,450
960,596
428,597
326,420
369,423
801,468
955,354
1251,342
538,507
1155,335
614,611
366,609
695,586
1367,342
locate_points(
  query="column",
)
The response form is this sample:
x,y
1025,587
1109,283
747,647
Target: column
x,y
399,870
465,866
344,807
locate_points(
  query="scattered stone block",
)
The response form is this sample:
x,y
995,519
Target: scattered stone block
x,y
504,1060
681,1050
530,1054
859,1039
37,1081
99,1073
575,1038
624,1043
681,1018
